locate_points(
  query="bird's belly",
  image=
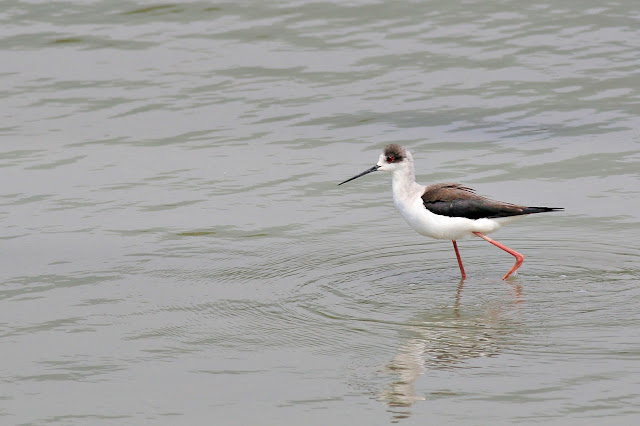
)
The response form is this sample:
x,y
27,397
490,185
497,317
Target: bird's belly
x,y
442,227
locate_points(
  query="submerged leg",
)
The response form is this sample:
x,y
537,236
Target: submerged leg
x,y
518,256
455,246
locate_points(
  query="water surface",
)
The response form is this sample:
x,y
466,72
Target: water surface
x,y
175,249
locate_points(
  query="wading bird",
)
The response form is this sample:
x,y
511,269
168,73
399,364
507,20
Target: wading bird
x,y
446,211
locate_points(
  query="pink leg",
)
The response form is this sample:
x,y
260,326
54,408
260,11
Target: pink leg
x,y
455,246
518,256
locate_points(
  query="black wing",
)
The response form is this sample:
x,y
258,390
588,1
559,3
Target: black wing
x,y
455,200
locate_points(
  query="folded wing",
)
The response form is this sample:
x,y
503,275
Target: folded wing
x,y
455,200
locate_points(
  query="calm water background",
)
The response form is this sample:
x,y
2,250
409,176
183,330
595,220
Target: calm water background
x,y
175,249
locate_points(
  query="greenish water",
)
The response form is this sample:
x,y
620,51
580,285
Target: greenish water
x,y
175,249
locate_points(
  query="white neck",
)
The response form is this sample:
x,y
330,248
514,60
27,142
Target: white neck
x,y
403,183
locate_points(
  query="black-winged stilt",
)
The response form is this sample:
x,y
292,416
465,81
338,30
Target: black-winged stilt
x,y
447,211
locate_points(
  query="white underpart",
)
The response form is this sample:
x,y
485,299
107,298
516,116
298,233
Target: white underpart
x,y
407,196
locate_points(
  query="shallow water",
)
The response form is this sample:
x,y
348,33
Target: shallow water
x,y
176,250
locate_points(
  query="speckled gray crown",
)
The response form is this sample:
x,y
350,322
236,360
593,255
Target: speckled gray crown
x,y
397,152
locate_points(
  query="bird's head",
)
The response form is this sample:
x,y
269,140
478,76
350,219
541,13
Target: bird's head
x,y
393,158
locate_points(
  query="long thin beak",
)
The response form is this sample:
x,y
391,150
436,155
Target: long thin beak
x,y
373,169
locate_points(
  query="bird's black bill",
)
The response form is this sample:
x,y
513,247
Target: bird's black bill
x,y
373,169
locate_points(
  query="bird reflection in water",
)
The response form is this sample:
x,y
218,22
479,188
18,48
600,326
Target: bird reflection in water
x,y
442,340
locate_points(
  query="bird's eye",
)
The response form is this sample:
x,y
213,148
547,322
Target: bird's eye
x,y
390,159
